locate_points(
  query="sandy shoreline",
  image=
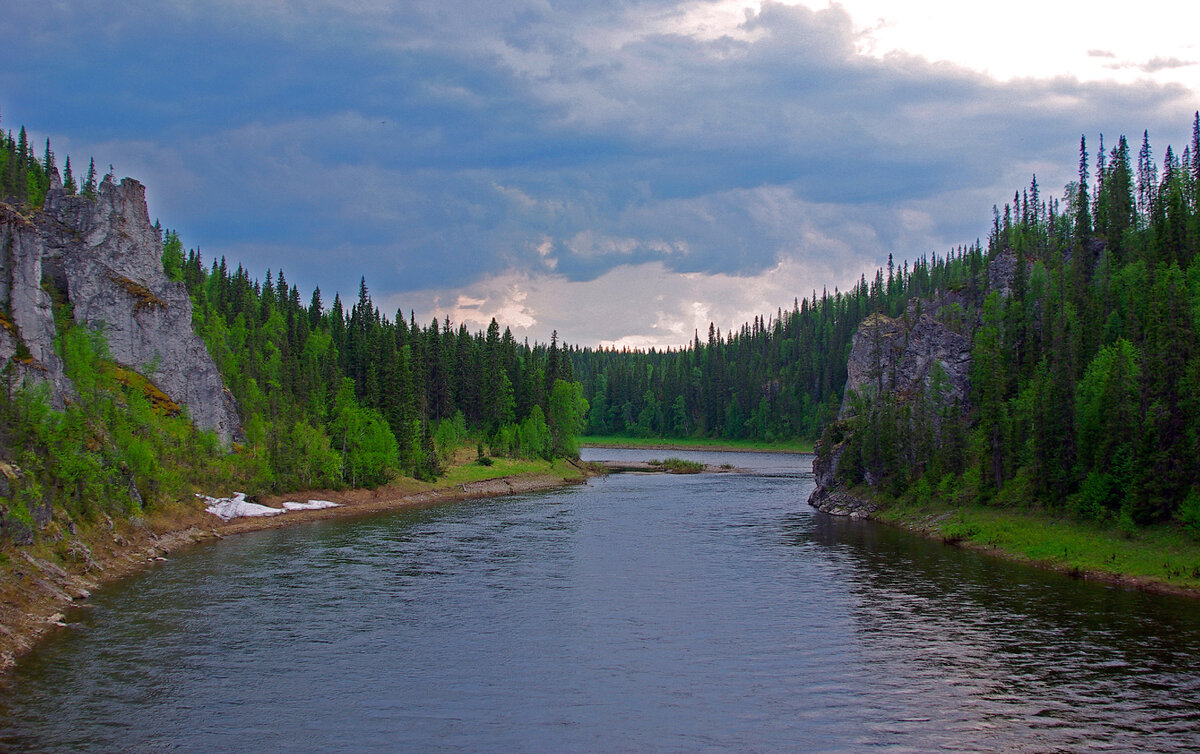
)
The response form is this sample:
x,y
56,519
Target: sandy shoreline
x,y
41,594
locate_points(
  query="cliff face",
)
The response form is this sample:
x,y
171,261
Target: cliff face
x,y
902,358
106,257
897,357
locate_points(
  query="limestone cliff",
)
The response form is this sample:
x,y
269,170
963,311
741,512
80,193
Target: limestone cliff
x,y
901,357
104,256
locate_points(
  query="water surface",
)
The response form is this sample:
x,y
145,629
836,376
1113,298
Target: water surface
x,y
640,612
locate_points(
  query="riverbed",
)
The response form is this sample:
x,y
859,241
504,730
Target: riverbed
x,y
639,612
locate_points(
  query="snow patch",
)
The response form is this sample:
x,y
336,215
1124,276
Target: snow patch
x,y
311,505
228,508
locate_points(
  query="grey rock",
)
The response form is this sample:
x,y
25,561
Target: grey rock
x,y
923,355
898,357
842,503
27,330
107,258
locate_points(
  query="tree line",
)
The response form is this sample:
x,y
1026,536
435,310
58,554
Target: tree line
x,y
776,378
337,395
25,178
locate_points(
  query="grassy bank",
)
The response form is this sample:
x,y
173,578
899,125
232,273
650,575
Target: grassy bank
x,y
696,443
39,583
1161,558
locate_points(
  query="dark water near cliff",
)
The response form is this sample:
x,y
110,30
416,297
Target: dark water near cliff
x,y
639,613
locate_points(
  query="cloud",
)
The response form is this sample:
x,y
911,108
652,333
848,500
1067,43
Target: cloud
x,y
438,148
660,308
1161,64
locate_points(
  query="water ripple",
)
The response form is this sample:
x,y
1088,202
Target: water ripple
x,y
641,613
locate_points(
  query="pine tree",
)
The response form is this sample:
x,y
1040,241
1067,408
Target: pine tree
x,y
69,184
1146,177
1083,217
89,183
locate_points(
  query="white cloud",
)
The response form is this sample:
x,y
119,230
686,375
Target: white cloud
x,y
1036,39
638,306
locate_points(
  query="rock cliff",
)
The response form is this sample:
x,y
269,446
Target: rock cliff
x,y
901,357
104,257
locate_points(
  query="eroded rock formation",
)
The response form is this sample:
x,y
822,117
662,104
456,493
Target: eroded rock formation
x,y
902,358
105,258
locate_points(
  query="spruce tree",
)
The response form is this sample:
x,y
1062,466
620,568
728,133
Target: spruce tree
x,y
69,184
89,183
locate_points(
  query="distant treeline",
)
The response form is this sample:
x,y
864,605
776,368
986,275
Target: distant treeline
x,y
777,378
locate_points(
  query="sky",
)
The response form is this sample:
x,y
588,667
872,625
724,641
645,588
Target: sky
x,y
622,172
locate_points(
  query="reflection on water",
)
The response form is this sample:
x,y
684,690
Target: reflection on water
x,y
639,612
1020,658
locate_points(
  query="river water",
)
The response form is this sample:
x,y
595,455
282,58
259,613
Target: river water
x,y
637,613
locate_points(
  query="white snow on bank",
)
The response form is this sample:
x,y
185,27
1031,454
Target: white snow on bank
x,y
227,508
311,505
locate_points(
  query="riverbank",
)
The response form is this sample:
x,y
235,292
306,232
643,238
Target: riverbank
x,y
1160,559
726,446
42,583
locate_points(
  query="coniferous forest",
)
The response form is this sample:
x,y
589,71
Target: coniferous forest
x,y
1085,379
1083,390
334,395
328,395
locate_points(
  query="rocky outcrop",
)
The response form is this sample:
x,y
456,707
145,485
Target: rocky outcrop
x,y
26,313
908,358
901,356
104,258
925,354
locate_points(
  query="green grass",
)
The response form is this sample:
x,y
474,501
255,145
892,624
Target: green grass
x,y
1160,554
502,467
695,443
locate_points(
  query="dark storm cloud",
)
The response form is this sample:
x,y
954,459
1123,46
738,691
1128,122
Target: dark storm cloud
x,y
426,144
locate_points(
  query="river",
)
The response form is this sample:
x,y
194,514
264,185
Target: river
x,y
638,613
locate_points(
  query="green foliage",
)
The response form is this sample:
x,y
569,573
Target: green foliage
x,y
566,417
1189,513
346,373
1085,373
534,438
172,256
448,436
368,448
110,452
678,466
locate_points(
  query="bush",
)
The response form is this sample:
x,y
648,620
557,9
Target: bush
x,y
1189,513
678,466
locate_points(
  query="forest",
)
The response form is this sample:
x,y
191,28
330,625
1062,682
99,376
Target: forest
x,y
1084,385
1085,381
778,378
336,395
329,396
